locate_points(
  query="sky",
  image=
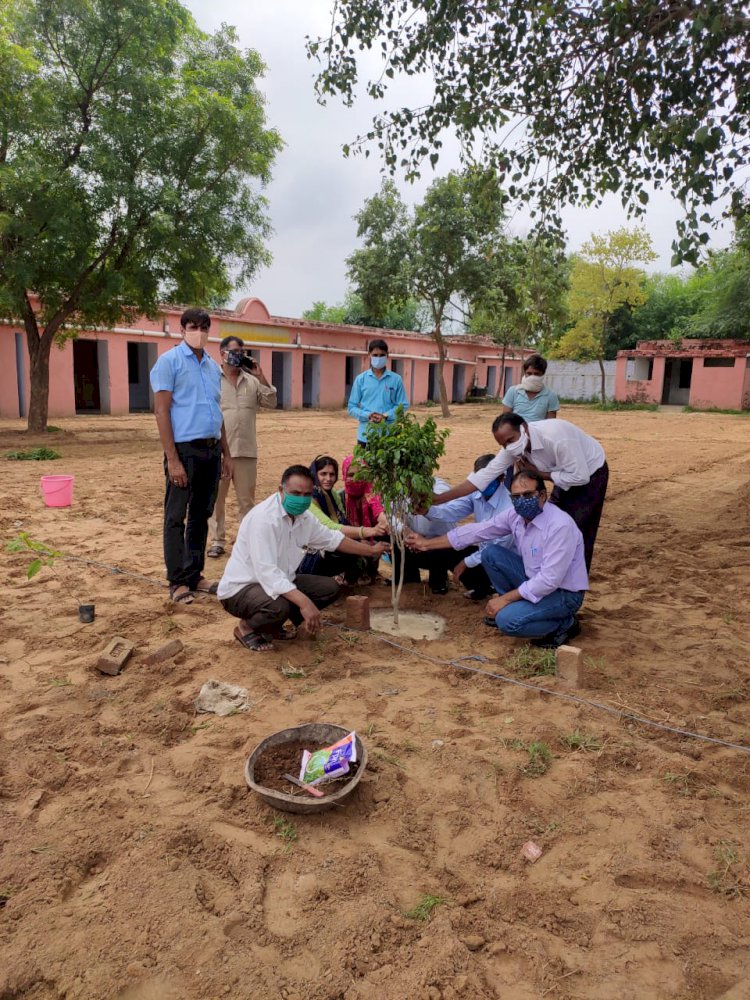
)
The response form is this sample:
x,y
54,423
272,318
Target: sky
x,y
316,191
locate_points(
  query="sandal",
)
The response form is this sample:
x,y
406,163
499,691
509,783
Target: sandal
x,y
185,597
215,551
207,588
253,641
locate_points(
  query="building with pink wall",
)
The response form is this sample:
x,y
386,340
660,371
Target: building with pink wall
x,y
311,364
705,374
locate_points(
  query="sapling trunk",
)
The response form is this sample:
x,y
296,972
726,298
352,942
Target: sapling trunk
x,y
401,572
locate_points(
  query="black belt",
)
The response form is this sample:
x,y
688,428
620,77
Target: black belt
x,y
203,442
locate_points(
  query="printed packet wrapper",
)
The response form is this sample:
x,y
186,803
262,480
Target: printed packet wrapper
x,y
330,762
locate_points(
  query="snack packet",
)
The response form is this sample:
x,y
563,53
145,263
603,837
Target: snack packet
x,y
330,762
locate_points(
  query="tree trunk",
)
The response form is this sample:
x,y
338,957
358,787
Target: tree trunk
x,y
604,381
438,335
398,538
39,346
501,381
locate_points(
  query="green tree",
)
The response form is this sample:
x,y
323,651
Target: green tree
x,y
523,301
605,97
129,144
400,462
603,280
439,251
406,316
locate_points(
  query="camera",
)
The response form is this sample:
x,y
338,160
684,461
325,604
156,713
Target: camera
x,y
248,362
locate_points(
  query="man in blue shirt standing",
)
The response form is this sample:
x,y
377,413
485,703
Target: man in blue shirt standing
x,y
187,388
377,392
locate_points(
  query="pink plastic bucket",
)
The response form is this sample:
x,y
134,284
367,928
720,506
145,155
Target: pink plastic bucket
x,y
57,490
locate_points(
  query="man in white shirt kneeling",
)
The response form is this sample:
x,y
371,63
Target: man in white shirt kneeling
x,y
261,585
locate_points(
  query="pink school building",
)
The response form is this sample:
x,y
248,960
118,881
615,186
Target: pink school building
x,y
705,374
311,364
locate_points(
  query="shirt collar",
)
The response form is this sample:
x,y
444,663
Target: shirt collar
x,y
188,352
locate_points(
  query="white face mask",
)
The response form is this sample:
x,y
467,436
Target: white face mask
x,y
532,383
197,339
517,448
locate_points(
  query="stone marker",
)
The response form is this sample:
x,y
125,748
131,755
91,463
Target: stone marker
x,y
569,665
115,656
358,613
164,652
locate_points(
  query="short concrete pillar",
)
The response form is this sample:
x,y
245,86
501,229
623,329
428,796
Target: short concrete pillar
x,y
358,613
569,665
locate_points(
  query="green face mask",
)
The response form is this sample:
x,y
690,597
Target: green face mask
x,y
295,505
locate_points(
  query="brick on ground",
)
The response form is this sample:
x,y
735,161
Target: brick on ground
x,y
115,656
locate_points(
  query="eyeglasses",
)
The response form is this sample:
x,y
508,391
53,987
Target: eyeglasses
x,y
528,495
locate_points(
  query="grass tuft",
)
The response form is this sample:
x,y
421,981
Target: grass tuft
x,y
532,662
581,741
424,907
33,455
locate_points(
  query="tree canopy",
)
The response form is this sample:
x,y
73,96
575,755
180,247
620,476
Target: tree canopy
x,y
605,278
434,253
131,148
400,316
567,101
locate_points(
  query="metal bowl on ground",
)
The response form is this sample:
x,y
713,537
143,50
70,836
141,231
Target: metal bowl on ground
x,y
316,735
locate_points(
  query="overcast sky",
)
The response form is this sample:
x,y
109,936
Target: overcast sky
x,y
316,191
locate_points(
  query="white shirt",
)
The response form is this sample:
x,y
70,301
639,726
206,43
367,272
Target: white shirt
x,y
558,447
270,546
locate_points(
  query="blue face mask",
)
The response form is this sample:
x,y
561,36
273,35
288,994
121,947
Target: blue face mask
x,y
527,507
378,361
294,506
491,490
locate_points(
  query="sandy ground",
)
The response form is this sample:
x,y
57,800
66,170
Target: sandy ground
x,y
134,863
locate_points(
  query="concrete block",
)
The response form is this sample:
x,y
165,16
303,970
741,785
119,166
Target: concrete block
x,y
164,652
115,656
569,665
358,613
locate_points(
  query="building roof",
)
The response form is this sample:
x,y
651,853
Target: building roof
x,y
688,349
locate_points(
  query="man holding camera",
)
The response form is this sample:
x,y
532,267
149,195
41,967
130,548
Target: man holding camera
x,y
244,388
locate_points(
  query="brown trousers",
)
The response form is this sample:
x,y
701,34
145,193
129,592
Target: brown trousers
x,y
259,611
244,478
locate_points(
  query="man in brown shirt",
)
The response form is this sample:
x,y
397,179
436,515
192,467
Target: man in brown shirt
x,y
244,388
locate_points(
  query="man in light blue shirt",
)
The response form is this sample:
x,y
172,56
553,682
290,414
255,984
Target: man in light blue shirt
x,y
532,400
377,392
482,505
541,590
186,383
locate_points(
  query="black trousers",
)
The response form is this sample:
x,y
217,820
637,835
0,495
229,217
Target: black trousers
x,y
260,611
584,504
475,578
187,510
437,562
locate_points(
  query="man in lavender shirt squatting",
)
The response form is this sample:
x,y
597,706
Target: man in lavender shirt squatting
x,y
540,591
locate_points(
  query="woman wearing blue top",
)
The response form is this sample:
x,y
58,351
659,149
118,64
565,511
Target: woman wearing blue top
x,y
532,400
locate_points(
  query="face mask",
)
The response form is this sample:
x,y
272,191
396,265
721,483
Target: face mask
x,y
197,339
527,507
517,448
378,362
295,505
532,383
234,359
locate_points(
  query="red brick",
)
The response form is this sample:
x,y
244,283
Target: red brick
x,y
569,665
164,652
115,656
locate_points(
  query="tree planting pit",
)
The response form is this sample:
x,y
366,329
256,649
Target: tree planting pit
x,y
411,624
281,753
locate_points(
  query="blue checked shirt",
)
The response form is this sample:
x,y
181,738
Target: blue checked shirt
x,y
196,390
